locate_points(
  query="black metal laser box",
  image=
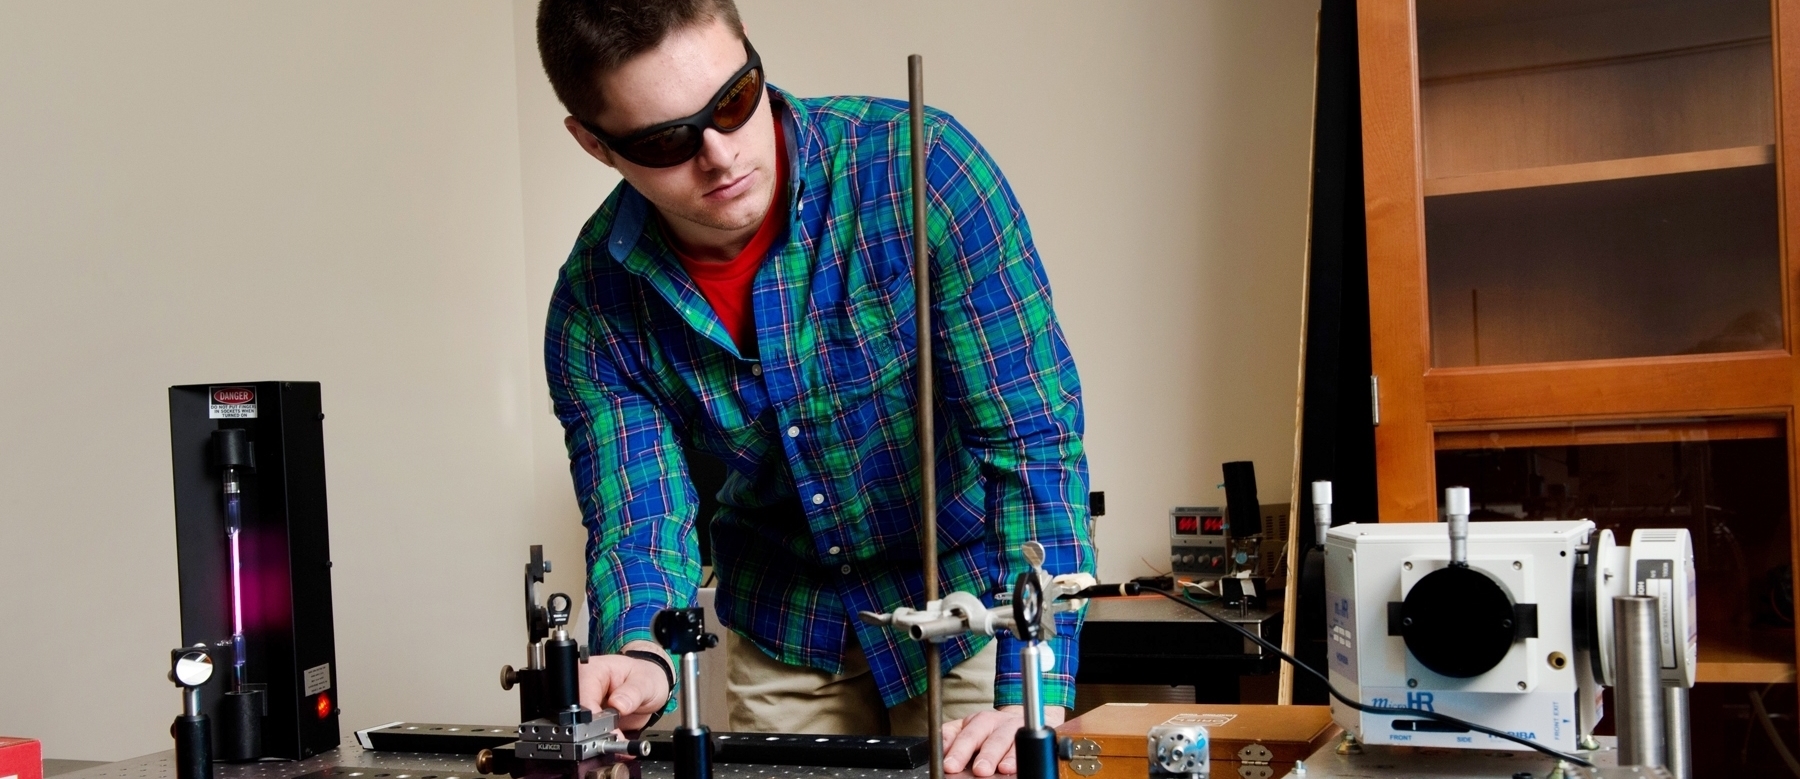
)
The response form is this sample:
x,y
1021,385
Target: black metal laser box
x,y
276,600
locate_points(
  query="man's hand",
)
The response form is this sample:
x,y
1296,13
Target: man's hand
x,y
634,688
983,742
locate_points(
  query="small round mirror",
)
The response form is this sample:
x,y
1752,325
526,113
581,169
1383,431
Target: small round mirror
x,y
1034,553
193,669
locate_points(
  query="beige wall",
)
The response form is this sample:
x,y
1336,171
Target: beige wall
x,y
377,196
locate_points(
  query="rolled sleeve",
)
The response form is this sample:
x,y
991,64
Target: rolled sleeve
x,y
1010,387
631,482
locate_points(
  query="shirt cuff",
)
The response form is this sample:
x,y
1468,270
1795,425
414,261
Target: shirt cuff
x,y
1058,684
632,626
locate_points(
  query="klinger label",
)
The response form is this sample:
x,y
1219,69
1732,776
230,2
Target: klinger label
x,y
231,403
1203,720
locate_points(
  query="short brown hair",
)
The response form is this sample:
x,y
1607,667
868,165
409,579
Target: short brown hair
x,y
580,39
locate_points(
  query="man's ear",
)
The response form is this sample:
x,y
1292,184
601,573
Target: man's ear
x,y
588,142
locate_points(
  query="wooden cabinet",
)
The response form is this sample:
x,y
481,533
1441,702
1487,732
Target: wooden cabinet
x,y
1583,283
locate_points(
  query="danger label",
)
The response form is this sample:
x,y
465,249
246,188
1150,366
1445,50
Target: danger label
x,y
231,403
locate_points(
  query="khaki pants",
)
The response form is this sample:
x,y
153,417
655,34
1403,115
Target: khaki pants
x,y
766,695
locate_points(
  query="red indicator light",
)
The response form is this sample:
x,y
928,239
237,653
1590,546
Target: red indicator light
x,y
323,705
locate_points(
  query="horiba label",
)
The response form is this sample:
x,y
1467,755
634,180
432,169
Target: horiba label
x,y
231,403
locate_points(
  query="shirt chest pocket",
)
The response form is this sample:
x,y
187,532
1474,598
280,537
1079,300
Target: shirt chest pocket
x,y
864,346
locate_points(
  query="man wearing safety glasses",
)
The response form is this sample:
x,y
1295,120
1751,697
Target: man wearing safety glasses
x,y
747,292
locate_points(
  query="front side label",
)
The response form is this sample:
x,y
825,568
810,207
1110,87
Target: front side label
x,y
1340,641
317,679
1656,578
230,402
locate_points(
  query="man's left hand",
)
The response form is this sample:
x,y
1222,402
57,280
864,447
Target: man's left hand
x,y
982,743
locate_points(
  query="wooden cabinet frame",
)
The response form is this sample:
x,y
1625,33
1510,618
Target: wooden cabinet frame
x,y
1418,403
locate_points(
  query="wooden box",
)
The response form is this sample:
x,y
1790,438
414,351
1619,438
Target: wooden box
x,y
1248,742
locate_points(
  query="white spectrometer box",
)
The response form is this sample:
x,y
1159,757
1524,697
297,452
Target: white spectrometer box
x,y
1492,643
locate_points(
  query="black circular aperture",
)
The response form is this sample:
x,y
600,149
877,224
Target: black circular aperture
x,y
1458,622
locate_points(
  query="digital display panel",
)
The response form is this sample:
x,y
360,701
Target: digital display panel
x,y
1187,526
1212,526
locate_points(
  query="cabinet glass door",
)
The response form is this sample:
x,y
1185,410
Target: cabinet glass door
x,y
1599,179
1725,482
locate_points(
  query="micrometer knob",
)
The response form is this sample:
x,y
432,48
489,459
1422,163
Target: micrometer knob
x,y
633,747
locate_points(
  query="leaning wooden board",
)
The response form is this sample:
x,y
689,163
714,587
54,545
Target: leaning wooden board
x,y
1248,742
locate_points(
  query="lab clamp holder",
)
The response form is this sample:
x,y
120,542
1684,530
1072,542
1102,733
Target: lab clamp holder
x,y
558,737
1037,598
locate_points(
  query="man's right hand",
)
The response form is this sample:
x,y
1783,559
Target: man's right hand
x,y
634,688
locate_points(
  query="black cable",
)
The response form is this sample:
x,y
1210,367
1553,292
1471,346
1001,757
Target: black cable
x,y
1386,711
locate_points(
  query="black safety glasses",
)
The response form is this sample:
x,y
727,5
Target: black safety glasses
x,y
672,143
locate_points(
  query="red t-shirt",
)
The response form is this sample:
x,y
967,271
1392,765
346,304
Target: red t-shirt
x,y
726,285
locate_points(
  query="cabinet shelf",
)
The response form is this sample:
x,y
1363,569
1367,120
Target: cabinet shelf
x,y
1604,170
1523,435
1746,656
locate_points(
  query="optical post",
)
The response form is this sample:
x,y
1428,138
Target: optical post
x,y
683,633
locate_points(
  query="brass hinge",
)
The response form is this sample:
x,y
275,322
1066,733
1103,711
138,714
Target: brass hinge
x,y
1084,756
1253,762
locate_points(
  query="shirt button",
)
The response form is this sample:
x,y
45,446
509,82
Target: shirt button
x,y
793,431
835,550
845,569
818,499
755,369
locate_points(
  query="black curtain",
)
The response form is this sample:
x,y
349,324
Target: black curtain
x,y
1337,434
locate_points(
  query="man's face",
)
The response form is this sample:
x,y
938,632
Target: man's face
x,y
727,187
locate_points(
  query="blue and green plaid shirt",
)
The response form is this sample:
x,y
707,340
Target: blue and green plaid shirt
x,y
819,516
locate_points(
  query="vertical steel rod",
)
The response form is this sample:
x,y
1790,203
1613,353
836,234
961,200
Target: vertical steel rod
x,y
934,672
690,690
1638,690
1032,687
1679,752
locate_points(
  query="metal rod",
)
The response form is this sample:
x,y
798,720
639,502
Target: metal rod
x,y
1678,752
690,690
934,672
1637,691
1031,684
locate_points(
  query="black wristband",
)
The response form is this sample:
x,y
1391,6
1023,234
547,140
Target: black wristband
x,y
668,672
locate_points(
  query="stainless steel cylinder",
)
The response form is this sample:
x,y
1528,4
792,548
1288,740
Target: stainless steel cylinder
x,y
1032,680
1637,691
1678,751
690,690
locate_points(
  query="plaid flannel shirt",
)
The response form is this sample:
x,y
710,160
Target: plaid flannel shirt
x,y
819,515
